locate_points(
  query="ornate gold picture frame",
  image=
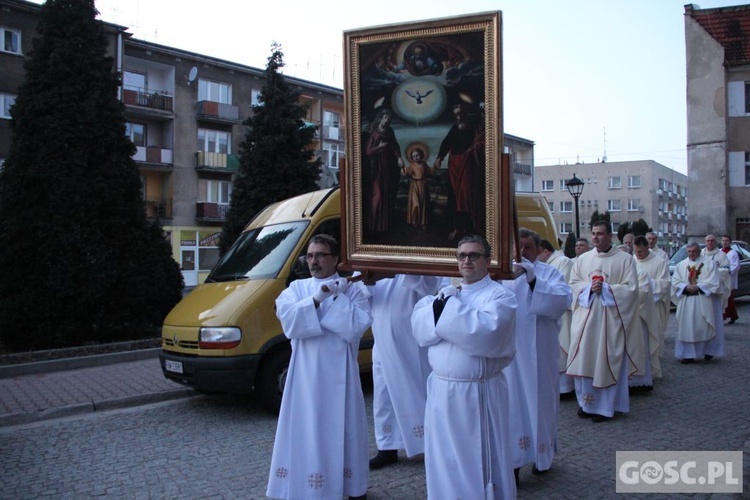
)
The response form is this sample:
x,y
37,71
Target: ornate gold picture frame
x,y
424,146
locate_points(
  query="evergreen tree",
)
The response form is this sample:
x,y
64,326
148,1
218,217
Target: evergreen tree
x,y
596,216
640,227
80,262
570,245
623,230
275,161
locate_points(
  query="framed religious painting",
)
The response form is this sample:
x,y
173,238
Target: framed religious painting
x,y
424,146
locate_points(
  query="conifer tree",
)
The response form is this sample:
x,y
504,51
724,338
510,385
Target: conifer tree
x,y
275,161
80,262
569,249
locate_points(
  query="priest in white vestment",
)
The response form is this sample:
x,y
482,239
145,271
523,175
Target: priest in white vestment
x,y
715,346
322,446
558,260
399,366
655,268
650,284
605,334
469,331
694,284
533,377
653,241
730,312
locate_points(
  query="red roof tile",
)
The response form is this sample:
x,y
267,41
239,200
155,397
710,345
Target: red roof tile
x,y
730,26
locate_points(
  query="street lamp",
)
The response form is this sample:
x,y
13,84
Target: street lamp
x,y
575,188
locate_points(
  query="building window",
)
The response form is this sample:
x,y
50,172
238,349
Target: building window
x,y
747,97
563,187
614,205
133,80
214,91
255,97
548,185
615,227
566,227
214,191
331,119
614,183
11,40
213,141
6,101
747,168
634,181
566,206
333,153
633,205
137,133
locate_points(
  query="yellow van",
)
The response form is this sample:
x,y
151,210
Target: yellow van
x,y
224,336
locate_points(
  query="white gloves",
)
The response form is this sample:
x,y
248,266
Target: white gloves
x,y
528,268
329,288
340,285
326,289
448,291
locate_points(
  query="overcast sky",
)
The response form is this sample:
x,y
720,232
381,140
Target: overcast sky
x,y
572,69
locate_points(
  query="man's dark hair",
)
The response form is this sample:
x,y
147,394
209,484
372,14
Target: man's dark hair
x,y
546,245
583,240
605,223
640,241
475,238
328,240
528,233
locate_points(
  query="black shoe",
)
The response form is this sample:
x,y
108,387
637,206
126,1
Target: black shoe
x,y
383,458
361,497
708,357
567,395
584,414
516,472
538,472
687,361
600,418
731,321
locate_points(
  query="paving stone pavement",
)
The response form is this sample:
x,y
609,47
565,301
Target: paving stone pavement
x,y
704,406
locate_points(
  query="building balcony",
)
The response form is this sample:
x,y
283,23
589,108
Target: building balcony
x,y
216,162
158,207
206,211
521,168
217,112
160,101
154,156
332,133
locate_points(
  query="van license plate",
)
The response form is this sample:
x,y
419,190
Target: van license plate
x,y
173,366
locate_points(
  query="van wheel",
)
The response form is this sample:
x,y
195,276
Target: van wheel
x,y
271,380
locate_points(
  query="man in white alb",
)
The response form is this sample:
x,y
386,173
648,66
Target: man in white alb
x,y
321,444
469,331
715,346
543,296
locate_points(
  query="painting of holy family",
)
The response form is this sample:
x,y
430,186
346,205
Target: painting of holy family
x,y
424,145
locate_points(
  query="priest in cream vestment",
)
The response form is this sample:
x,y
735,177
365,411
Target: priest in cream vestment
x,y
695,283
605,334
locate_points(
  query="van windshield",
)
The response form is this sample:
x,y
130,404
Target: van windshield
x,y
258,253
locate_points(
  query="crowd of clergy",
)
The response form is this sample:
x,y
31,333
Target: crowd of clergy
x,y
469,371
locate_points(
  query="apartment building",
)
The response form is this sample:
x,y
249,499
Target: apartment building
x,y
184,114
628,190
717,52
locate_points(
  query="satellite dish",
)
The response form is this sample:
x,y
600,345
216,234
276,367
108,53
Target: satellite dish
x,y
192,75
